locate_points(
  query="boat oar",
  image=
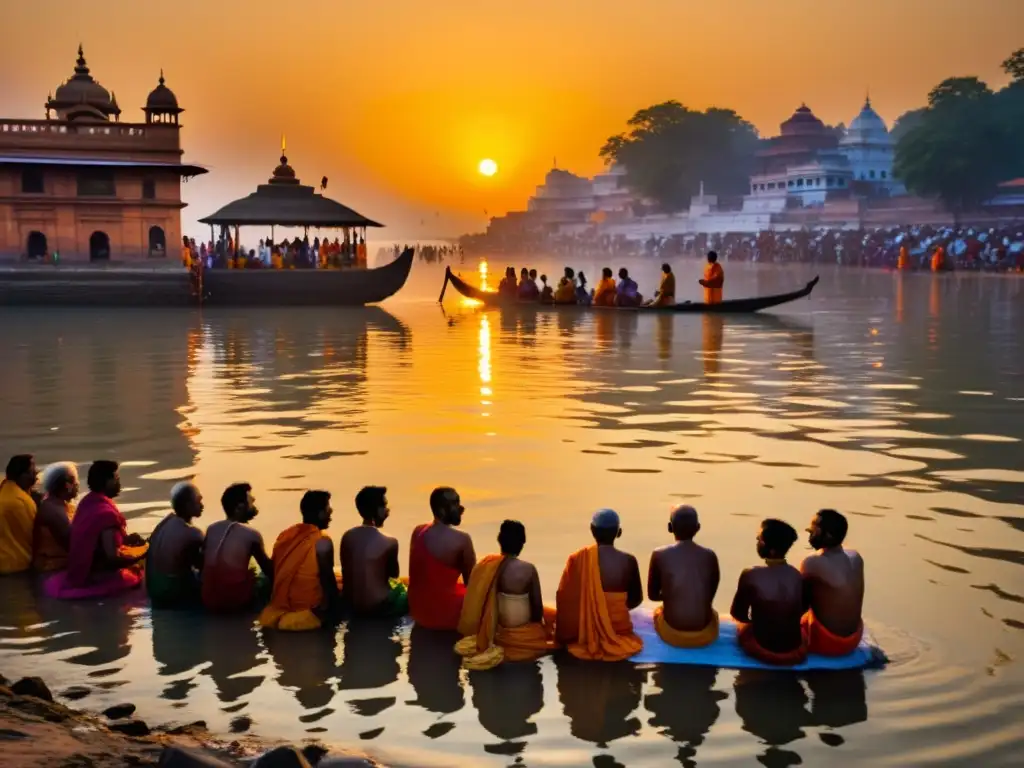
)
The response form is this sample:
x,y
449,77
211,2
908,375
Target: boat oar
x,y
447,276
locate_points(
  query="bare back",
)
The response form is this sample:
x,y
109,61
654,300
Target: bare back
x,y
518,577
368,560
620,573
231,544
684,576
834,586
174,547
771,597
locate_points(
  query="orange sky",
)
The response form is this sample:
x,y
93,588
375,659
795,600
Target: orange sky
x,y
396,101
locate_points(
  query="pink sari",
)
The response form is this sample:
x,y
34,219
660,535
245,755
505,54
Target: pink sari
x,y
96,514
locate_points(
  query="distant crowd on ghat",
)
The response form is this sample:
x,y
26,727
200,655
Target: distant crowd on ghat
x,y
294,254
85,552
996,249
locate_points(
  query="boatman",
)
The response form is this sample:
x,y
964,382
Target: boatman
x,y
714,279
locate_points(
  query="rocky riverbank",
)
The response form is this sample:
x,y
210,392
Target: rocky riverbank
x,y
36,729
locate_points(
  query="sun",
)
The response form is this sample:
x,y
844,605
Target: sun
x,y
487,167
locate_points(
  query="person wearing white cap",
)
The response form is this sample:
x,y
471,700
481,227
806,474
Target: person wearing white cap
x,y
599,587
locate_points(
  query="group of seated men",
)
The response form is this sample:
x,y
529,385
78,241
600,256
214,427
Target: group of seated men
x,y
495,603
572,287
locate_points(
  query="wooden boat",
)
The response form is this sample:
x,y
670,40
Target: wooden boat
x,y
732,306
305,287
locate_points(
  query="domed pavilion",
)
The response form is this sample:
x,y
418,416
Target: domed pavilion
x,y
870,150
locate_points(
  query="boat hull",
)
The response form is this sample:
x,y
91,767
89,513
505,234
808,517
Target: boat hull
x,y
731,307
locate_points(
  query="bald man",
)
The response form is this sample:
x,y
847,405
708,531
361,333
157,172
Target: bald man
x,y
684,577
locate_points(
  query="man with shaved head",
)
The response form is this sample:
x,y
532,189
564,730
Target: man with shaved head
x,y
600,586
684,577
175,552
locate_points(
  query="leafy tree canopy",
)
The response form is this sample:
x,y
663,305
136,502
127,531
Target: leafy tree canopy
x,y
670,149
1014,65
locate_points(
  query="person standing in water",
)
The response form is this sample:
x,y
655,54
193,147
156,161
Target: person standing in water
x,y
833,588
684,577
714,280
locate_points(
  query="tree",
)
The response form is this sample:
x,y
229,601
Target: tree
x,y
1014,65
670,150
956,148
906,122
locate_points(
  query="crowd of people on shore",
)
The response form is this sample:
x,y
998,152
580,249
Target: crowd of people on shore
x,y
975,248
572,287
495,602
294,254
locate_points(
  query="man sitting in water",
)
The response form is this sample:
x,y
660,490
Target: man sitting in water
x,y
528,290
176,552
547,296
306,588
369,561
229,584
714,279
684,576
51,536
665,296
833,588
565,293
439,555
103,559
582,295
628,292
17,514
769,601
604,294
508,286
504,617
599,587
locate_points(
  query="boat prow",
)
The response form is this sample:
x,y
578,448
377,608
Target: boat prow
x,y
732,306
306,287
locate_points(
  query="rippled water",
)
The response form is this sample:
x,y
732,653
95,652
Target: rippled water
x,y
896,399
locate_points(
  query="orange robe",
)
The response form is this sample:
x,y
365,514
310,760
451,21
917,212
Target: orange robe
x,y
750,646
604,294
565,293
939,259
679,638
485,642
822,641
667,291
297,589
592,623
17,519
436,591
48,554
903,261
714,276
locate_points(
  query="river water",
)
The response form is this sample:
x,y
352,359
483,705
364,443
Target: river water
x,y
897,399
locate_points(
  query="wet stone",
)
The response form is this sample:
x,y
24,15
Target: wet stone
x,y
9,734
32,686
280,757
241,724
129,727
119,711
76,692
180,757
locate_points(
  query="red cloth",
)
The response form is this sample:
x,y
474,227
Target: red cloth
x,y
822,641
750,646
228,590
435,590
96,513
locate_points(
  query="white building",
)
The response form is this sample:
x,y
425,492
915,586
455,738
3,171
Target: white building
x,y
871,151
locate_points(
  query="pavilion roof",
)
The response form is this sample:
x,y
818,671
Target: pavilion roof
x,y
285,202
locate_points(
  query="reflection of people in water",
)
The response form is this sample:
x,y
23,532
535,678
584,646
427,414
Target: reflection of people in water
x,y
505,699
434,670
175,649
773,707
839,698
664,330
231,645
599,699
307,664
372,650
713,332
686,706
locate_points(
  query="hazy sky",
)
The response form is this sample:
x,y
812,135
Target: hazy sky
x,y
396,101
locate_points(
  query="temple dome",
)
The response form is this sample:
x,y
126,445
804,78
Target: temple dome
x,y
80,95
162,98
283,174
803,122
867,127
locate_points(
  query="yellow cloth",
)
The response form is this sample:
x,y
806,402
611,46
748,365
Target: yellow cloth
x,y
485,644
48,554
666,291
17,519
592,623
680,639
566,292
714,276
297,589
275,260
186,258
604,294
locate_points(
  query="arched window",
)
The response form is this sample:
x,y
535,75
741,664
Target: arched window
x,y
36,246
157,242
99,247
